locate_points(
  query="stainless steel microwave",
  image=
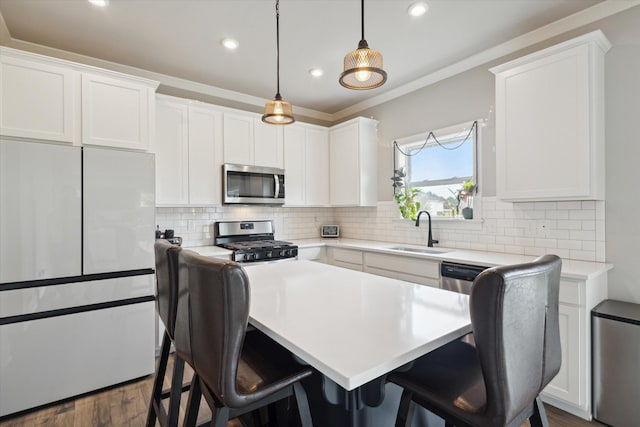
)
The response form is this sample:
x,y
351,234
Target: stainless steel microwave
x,y
252,185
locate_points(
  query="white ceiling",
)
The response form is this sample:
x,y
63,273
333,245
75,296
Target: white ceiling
x,y
181,38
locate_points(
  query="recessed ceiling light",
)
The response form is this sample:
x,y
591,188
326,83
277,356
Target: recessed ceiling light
x,y
101,3
229,43
316,72
418,8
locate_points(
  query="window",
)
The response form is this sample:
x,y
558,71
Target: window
x,y
439,167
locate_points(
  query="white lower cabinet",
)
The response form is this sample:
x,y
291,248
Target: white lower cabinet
x,y
345,258
55,358
570,390
566,385
317,253
404,268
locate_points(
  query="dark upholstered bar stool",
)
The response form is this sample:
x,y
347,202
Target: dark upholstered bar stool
x,y
167,299
514,313
236,372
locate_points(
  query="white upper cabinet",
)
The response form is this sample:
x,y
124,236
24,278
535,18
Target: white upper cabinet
x,y
248,141
116,112
306,165
294,164
550,122
188,152
36,98
55,100
238,139
353,154
268,145
205,155
172,152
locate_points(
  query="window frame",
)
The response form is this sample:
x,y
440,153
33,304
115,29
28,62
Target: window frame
x,y
445,134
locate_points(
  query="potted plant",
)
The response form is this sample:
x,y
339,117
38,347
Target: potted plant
x,y
465,194
405,196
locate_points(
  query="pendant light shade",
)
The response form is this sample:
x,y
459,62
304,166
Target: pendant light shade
x,y
363,66
277,111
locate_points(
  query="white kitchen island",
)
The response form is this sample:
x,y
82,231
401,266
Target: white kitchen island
x,y
352,327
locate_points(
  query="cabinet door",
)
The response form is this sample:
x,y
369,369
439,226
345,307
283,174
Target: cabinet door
x,y
566,385
119,210
115,112
317,167
238,139
40,211
36,100
172,153
268,146
550,123
294,169
204,165
344,165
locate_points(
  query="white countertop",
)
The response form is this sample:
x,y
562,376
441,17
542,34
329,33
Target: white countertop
x,y
571,269
353,327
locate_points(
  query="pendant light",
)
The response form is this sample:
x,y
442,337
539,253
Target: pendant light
x,y
363,66
277,111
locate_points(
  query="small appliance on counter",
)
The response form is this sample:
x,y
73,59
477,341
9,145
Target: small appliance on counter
x,y
169,236
330,231
252,241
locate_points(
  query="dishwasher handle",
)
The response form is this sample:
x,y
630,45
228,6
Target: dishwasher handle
x,y
460,271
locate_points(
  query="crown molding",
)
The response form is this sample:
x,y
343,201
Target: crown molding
x,y
571,22
163,79
4,32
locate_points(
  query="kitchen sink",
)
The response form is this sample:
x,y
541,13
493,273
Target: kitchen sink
x,y
418,250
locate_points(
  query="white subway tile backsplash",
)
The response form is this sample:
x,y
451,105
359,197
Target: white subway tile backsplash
x,y
589,214
572,230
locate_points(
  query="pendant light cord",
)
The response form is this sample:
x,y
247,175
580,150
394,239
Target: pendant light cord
x,y
278,48
362,18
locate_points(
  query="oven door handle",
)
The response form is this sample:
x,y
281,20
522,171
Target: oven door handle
x,y
277,181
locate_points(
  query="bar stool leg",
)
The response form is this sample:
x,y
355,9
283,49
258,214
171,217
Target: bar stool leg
x,y
156,394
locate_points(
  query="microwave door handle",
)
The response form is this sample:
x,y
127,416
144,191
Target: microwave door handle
x,y
277,181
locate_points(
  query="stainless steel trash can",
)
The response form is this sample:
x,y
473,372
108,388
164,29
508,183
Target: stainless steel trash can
x,y
616,363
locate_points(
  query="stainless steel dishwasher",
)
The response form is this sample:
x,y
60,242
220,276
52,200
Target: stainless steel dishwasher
x,y
458,277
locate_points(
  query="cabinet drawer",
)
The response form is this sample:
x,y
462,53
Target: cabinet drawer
x,y
313,254
346,255
404,265
570,292
350,266
421,280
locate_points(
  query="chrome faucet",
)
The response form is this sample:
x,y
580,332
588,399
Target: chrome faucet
x,y
430,240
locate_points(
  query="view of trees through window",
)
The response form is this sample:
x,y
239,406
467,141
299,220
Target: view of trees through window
x,y
439,169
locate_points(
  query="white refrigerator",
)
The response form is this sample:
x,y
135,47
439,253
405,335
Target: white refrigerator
x,y
76,270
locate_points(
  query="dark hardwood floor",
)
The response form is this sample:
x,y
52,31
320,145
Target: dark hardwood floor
x,y
126,406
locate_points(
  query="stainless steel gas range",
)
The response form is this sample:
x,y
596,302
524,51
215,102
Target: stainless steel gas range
x,y
252,241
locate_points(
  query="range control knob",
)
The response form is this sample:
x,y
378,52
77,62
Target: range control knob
x,y
269,254
249,257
